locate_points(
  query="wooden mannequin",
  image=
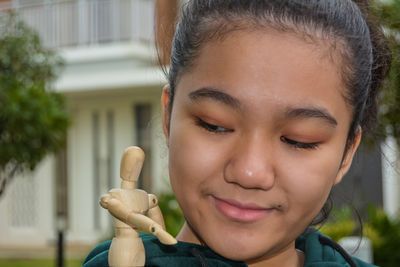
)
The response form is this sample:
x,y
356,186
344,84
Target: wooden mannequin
x,y
133,210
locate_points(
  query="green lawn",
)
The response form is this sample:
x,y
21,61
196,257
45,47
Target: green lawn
x,y
38,263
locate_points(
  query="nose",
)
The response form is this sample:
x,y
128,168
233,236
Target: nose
x,y
251,165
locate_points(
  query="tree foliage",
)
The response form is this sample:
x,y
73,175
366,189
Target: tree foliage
x,y
388,13
384,232
33,119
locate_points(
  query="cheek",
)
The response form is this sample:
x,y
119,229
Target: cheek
x,y
192,161
308,181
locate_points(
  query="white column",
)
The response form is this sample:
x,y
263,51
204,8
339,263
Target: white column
x,y
80,180
390,177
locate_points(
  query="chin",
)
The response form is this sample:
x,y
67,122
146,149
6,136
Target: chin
x,y
244,254
238,247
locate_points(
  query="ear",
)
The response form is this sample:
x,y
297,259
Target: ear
x,y
348,157
165,101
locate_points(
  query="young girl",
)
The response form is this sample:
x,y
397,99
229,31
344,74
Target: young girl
x,y
265,107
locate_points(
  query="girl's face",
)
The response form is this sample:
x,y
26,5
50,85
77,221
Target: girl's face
x,y
256,140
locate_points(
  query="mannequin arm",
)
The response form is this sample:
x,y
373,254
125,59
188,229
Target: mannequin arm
x,y
156,215
154,212
136,221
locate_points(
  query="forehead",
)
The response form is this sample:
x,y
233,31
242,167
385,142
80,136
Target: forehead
x,y
267,65
330,47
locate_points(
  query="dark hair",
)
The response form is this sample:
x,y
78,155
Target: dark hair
x,y
346,25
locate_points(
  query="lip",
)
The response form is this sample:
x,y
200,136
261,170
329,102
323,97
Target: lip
x,y
240,212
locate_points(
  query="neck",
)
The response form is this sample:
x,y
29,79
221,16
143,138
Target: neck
x,y
126,184
187,235
289,256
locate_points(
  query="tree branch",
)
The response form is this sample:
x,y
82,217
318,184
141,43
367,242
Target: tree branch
x,y
6,175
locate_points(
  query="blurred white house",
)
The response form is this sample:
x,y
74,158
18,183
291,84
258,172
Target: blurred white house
x,y
113,83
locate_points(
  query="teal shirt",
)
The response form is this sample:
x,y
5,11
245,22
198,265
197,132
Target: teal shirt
x,y
319,250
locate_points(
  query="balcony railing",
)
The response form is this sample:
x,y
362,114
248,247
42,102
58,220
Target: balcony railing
x,y
78,23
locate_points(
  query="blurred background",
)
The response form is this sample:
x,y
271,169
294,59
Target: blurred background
x,y
80,80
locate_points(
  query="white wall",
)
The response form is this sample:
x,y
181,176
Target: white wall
x,y
26,209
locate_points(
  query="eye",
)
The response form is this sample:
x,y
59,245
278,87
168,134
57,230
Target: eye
x,y
299,145
211,127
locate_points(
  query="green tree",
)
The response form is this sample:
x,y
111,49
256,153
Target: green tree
x,y
33,119
388,13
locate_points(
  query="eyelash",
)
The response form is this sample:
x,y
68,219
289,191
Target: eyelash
x,y
218,129
211,127
299,145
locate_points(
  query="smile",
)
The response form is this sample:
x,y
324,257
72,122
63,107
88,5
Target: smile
x,y
236,211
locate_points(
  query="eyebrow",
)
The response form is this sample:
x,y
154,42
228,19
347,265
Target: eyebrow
x,y
215,94
291,112
312,112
